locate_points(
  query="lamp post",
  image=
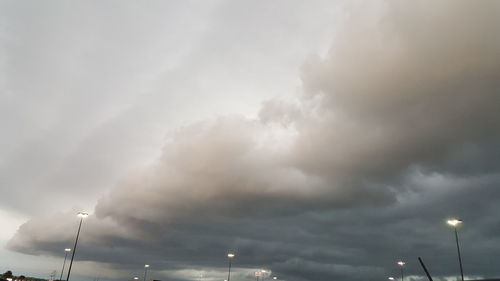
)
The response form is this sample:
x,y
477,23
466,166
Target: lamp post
x,y
401,263
455,223
146,266
230,256
82,215
67,250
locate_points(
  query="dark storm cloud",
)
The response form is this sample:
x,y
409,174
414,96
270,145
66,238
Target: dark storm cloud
x,y
396,130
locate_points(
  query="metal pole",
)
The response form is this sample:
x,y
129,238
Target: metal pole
x,y
459,256
425,269
402,276
145,272
74,249
64,263
229,272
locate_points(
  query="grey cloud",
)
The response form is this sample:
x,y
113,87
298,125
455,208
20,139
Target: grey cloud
x,y
70,70
421,91
395,131
76,78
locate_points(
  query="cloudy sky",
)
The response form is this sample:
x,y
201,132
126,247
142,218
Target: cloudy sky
x,y
320,140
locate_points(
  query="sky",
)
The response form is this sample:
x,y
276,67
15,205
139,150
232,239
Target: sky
x,y
317,140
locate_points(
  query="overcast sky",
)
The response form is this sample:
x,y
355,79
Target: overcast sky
x,y
319,140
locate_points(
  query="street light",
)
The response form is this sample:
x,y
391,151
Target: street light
x,y
275,278
401,263
67,250
146,266
230,256
82,215
455,223
391,278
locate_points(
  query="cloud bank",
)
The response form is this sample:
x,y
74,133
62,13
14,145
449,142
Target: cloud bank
x,y
393,131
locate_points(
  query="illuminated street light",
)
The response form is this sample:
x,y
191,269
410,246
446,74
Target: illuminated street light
x,y
230,256
455,223
275,278
402,264
81,215
146,266
391,278
67,250
136,278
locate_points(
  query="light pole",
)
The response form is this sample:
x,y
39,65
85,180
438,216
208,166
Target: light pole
x,y
146,266
230,256
82,215
401,263
455,223
67,250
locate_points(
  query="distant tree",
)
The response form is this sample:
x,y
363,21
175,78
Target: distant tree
x,y
22,277
7,274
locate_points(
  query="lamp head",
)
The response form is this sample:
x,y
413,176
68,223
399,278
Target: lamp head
x,y
83,214
454,222
391,278
230,255
67,250
401,263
